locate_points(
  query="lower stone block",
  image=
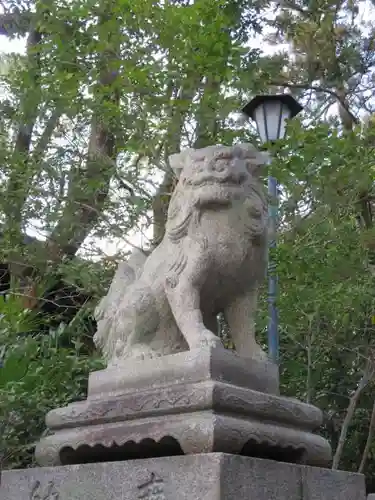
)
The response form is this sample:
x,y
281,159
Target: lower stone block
x,y
212,476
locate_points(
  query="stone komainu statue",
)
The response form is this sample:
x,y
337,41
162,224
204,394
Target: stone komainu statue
x,y
211,259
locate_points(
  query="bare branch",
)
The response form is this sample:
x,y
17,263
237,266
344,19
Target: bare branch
x,y
45,137
366,377
318,88
289,4
15,23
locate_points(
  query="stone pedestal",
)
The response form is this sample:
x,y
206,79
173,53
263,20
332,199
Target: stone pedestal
x,y
213,476
203,401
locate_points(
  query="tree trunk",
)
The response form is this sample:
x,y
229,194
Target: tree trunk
x,y
18,185
89,186
367,375
368,442
207,126
181,99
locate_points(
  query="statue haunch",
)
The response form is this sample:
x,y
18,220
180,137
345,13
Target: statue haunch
x,y
211,259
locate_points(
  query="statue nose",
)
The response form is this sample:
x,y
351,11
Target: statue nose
x,y
227,169
219,166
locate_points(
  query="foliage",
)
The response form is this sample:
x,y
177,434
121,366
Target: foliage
x,y
327,296
37,375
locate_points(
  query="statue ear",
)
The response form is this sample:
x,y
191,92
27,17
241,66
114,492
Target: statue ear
x,y
254,158
259,159
177,161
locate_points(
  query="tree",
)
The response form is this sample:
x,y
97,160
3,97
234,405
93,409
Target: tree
x,y
138,88
327,292
331,48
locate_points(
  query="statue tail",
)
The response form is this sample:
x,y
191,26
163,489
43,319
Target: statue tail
x,y
127,273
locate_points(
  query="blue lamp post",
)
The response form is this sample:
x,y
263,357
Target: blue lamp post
x,y
270,113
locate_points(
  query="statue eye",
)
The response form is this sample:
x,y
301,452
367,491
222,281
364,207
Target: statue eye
x,y
221,164
251,166
224,157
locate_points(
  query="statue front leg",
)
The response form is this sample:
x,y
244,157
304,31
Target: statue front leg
x,y
240,315
184,300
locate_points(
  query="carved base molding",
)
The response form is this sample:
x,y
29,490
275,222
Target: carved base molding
x,y
187,403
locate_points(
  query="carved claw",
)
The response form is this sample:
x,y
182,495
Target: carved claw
x,y
136,352
208,339
260,355
142,351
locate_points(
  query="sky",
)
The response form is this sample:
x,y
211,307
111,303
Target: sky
x,y
7,46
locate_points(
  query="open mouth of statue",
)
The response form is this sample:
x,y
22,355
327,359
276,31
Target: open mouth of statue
x,y
214,205
217,184
214,199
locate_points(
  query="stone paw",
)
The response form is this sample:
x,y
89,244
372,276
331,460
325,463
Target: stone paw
x,y
142,352
136,352
208,339
259,354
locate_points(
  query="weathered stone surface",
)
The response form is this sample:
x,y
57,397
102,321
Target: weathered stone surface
x,y
340,485
211,259
184,368
277,481
177,399
199,432
197,477
184,415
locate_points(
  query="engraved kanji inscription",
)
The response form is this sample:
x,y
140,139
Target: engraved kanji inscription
x,y
44,492
153,489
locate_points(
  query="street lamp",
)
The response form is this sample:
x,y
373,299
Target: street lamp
x,y
270,113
